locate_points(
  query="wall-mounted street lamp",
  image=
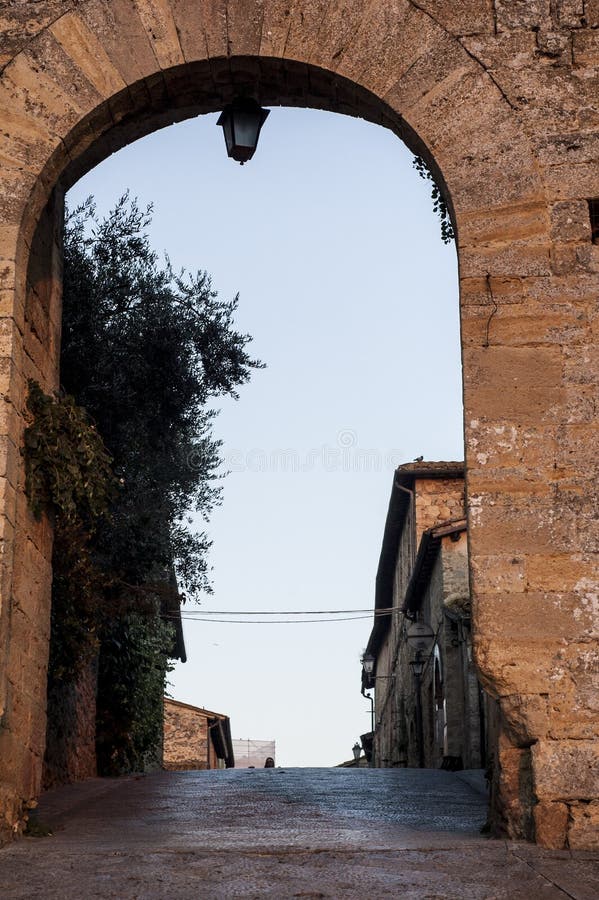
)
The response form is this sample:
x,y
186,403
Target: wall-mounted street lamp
x,y
368,662
241,122
356,750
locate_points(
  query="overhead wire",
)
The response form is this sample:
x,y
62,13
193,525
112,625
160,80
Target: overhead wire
x,y
331,615
289,612
272,621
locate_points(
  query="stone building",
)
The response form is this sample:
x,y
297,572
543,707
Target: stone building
x,y
429,709
195,738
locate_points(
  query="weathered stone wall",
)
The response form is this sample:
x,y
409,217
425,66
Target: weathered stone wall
x,y
71,729
34,334
501,100
437,500
187,742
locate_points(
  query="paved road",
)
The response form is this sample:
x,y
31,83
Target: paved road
x,y
282,833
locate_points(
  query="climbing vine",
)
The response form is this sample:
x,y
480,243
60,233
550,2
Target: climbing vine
x,y
68,475
67,467
439,204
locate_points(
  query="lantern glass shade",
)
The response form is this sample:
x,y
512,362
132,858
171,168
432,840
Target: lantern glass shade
x,y
368,663
241,122
417,665
420,637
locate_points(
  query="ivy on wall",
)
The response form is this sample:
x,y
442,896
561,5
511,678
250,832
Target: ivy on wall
x,y
133,665
68,475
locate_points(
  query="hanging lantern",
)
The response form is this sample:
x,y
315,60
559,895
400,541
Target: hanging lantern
x,y
241,122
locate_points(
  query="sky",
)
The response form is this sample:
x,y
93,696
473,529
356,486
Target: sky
x,y
329,237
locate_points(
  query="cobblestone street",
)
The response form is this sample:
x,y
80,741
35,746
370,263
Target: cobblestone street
x,y
282,833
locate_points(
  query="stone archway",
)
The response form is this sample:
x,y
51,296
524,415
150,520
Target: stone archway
x,y
501,99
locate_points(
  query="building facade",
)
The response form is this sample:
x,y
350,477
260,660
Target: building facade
x,y
429,707
196,738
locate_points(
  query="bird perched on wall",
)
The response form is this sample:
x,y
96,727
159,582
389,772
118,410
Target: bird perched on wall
x,y
419,459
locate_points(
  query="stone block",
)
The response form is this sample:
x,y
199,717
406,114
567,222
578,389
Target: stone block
x,y
275,27
571,13
515,483
16,186
499,574
520,259
591,11
157,19
189,19
56,111
463,18
567,259
559,612
513,783
513,385
526,716
566,770
515,326
581,364
583,828
119,29
558,572
556,45
87,53
574,704
304,24
66,80
24,140
580,401
551,824
506,50
389,42
575,454
244,27
508,665
514,222
574,181
515,14
569,149
477,291
436,78
570,221
586,48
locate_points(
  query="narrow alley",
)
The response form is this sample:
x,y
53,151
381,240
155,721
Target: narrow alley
x,y
282,833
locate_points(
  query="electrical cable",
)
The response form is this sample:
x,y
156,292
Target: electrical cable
x,y
284,612
270,621
216,616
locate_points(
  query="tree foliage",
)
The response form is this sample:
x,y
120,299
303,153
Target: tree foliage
x,y
145,350
439,204
121,457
